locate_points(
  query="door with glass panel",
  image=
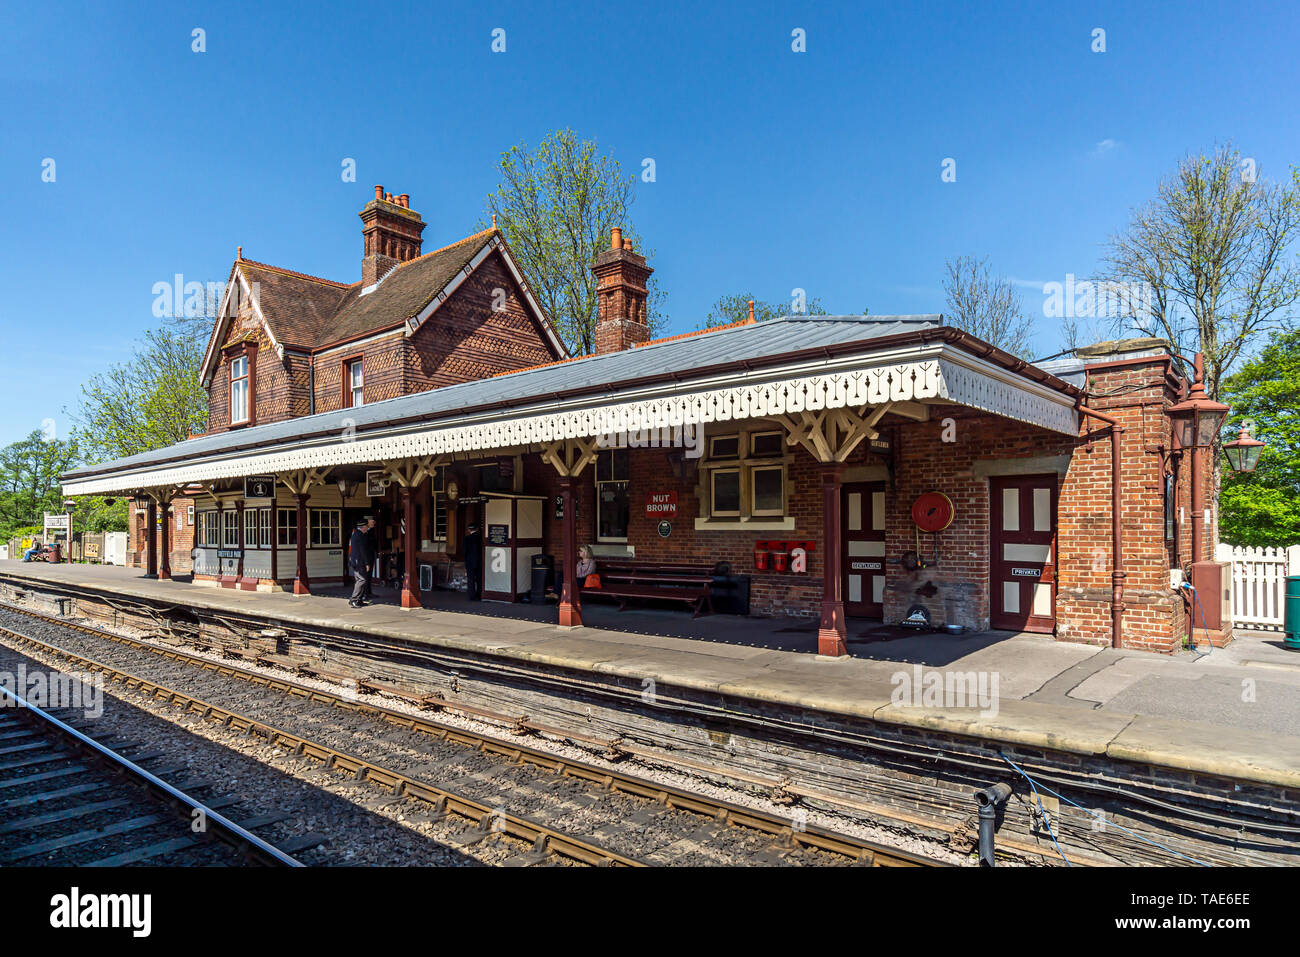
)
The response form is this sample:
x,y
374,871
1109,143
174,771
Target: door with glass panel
x,y
1023,559
863,535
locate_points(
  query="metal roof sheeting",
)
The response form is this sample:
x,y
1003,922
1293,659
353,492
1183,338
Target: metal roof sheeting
x,y
679,355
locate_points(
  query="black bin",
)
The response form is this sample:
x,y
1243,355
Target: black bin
x,y
543,577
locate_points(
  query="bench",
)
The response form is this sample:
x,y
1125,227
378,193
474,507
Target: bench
x,y
661,581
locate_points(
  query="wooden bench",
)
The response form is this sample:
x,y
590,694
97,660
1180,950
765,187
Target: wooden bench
x,y
660,581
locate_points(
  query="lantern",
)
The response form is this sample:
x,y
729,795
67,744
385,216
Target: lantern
x,y
1243,453
1198,418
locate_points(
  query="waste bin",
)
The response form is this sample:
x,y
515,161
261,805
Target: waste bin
x,y
1292,612
543,576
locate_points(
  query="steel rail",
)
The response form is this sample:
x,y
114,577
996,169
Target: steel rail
x,y
541,836
225,829
808,835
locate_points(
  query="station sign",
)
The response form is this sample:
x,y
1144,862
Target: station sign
x,y
661,505
259,488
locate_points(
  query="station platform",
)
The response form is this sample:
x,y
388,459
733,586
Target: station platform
x,y
1231,713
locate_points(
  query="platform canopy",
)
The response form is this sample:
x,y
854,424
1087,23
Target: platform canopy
x,y
782,367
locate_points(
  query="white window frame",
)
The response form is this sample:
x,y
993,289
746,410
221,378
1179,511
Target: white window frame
x,y
746,464
356,383
209,531
242,380
264,527
229,528
250,528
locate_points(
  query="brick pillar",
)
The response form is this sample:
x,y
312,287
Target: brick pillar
x,y
831,632
165,549
411,581
570,600
151,540
301,583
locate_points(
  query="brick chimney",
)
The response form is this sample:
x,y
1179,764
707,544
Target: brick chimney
x,y
391,230
621,276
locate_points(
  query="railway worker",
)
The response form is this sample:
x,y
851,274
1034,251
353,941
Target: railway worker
x,y
361,556
474,563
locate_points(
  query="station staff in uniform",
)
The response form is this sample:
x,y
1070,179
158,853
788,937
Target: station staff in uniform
x,y
361,555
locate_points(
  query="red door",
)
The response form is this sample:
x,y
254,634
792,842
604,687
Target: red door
x,y
863,537
1023,552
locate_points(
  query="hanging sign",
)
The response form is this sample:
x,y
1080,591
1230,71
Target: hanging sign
x,y
375,483
661,505
259,487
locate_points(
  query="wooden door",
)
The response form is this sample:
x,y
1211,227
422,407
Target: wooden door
x,y
1023,552
862,536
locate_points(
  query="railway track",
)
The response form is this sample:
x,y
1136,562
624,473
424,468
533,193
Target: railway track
x,y
782,835
66,798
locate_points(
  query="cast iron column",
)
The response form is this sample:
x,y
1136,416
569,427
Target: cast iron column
x,y
165,549
570,602
151,541
301,583
239,567
411,583
831,633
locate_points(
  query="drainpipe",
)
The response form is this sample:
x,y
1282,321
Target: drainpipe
x,y
1117,574
989,800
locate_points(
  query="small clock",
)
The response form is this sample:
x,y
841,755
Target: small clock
x,y
453,491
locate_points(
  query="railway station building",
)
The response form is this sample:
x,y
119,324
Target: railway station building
x,y
887,468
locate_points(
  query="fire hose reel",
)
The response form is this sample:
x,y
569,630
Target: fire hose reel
x,y
931,512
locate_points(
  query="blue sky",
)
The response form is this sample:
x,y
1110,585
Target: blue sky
x,y
775,170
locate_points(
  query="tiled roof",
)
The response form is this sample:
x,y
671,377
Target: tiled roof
x,y
307,312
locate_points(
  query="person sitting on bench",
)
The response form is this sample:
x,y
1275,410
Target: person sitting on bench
x,y
33,551
586,571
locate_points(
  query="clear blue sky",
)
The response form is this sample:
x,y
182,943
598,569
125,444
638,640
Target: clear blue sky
x,y
775,169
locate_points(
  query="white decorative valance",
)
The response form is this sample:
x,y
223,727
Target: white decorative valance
x,y
943,374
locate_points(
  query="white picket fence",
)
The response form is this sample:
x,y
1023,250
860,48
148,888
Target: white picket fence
x,y
1258,586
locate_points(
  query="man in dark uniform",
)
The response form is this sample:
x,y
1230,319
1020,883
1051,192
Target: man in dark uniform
x,y
361,555
474,563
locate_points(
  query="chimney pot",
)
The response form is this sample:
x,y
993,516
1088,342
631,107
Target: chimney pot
x,y
388,197
616,238
627,244
751,310
379,192
406,201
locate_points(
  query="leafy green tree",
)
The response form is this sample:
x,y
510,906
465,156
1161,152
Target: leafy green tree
x,y
1263,507
29,480
729,309
153,400
1211,255
556,205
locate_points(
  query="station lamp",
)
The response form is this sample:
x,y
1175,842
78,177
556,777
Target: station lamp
x,y
1198,418
1243,452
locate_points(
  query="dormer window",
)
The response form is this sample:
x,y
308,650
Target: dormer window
x,y
239,390
353,384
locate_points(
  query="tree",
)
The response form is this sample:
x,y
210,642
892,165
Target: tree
x,y
1263,507
556,206
986,305
29,480
1210,258
153,400
729,309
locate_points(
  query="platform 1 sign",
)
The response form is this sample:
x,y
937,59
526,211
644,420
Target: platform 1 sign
x,y
259,488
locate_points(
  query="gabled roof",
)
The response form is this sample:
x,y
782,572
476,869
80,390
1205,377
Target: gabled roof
x,y
308,313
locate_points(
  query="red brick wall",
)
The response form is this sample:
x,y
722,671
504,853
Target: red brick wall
x,y
181,539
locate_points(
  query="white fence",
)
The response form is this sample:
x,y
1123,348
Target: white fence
x,y
1258,582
